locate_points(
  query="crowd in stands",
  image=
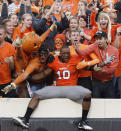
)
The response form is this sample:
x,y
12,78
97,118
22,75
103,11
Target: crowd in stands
x,y
34,33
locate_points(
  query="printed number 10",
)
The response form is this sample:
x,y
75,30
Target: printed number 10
x,y
65,74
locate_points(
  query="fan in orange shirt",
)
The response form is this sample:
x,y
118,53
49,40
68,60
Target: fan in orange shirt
x,y
84,77
70,5
73,25
75,40
82,9
84,31
6,62
104,24
59,41
24,27
6,51
57,9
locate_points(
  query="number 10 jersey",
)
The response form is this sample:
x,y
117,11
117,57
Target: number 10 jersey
x,y
66,73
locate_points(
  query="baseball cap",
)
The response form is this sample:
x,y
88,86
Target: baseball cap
x,y
100,34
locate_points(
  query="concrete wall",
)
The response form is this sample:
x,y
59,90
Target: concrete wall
x,y
61,108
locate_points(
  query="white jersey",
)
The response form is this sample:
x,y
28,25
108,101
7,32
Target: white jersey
x,y
12,8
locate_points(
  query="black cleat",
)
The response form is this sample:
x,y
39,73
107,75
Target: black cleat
x,y
21,122
83,125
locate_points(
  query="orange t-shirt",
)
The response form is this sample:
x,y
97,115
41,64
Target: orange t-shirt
x,y
17,32
70,5
88,58
6,50
66,73
81,73
47,2
113,31
20,61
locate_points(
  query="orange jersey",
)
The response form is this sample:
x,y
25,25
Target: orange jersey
x,y
6,50
66,73
17,32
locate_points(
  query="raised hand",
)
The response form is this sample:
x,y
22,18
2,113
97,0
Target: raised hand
x,y
109,59
17,42
53,26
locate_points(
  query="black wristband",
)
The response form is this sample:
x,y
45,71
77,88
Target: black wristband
x,y
91,68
